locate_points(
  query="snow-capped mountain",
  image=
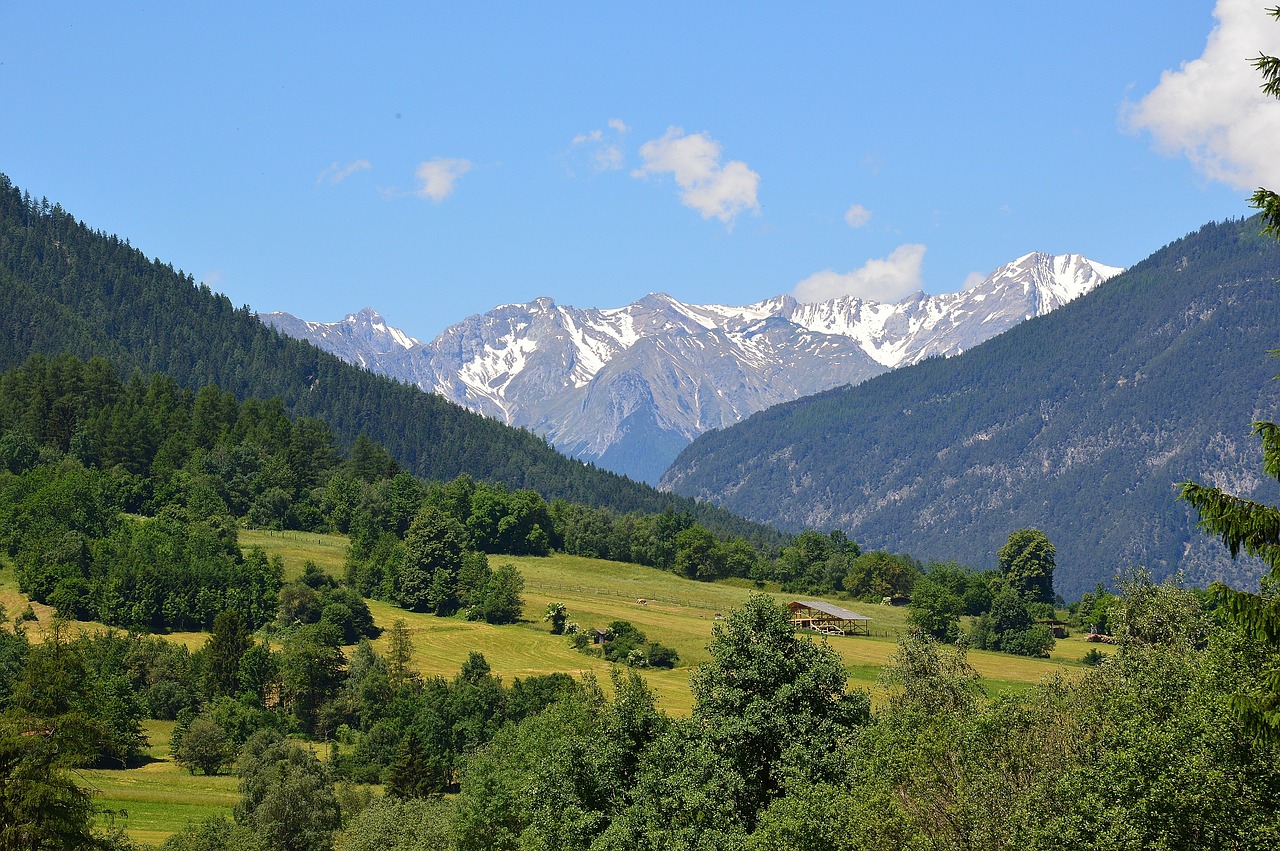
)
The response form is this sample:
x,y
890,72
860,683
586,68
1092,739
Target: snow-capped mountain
x,y
628,387
362,338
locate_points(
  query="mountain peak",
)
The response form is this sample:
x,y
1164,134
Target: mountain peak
x,y
367,316
1078,424
585,377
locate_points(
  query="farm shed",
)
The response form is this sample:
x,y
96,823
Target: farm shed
x,y
1057,627
827,618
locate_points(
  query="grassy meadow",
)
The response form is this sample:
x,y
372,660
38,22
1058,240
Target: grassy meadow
x,y
677,612
156,798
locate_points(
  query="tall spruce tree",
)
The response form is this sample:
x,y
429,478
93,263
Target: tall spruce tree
x,y
1248,526
227,645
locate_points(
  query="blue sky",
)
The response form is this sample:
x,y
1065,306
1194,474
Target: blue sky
x,y
436,160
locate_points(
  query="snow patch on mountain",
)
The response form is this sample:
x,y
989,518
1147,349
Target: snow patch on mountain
x,y
643,379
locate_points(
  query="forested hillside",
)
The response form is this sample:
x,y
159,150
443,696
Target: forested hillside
x,y
1080,423
67,288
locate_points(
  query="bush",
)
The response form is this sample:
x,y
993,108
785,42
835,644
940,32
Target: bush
x,y
661,656
203,745
1094,657
1034,641
558,616
1008,628
627,645
391,824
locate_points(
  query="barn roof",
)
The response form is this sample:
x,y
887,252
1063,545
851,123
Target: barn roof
x,y
829,609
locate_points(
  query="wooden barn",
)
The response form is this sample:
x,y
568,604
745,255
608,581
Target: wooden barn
x,y
827,618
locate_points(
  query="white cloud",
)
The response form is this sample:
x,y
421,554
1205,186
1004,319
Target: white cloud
x,y
1212,109
438,177
972,280
605,148
887,280
336,173
722,191
857,216
609,158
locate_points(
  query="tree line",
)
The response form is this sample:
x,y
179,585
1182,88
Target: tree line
x,y
65,288
119,501
1143,750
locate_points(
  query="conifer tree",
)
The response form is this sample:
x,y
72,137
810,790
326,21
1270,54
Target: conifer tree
x,y
1265,199
399,653
227,645
1248,526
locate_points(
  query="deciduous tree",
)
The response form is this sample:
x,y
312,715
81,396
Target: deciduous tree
x,y
502,600
433,551
771,703
1027,561
287,795
204,745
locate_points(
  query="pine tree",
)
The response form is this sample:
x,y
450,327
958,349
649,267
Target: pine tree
x,y
414,774
399,653
1248,526
227,645
1264,199
1253,528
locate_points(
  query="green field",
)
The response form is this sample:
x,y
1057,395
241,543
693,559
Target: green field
x,y
156,798
676,612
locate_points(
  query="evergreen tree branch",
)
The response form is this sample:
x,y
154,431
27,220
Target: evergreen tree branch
x,y
1269,68
1269,203
1241,524
1270,434
1257,614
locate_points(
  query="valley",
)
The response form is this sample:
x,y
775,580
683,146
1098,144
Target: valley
x,y
605,427
199,582
157,797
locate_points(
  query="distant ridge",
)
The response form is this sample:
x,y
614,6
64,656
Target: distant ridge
x,y
628,387
64,287
1080,423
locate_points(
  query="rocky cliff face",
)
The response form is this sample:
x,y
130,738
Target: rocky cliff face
x,y
629,387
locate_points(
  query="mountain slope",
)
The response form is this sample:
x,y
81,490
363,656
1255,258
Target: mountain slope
x,y
1080,423
628,387
66,288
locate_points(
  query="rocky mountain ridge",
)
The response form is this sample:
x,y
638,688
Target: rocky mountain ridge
x,y
629,387
1081,423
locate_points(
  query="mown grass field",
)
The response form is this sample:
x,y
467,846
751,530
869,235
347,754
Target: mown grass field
x,y
676,612
157,798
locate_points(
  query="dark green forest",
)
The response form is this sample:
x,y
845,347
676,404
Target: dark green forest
x,y
1080,423
67,288
119,502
